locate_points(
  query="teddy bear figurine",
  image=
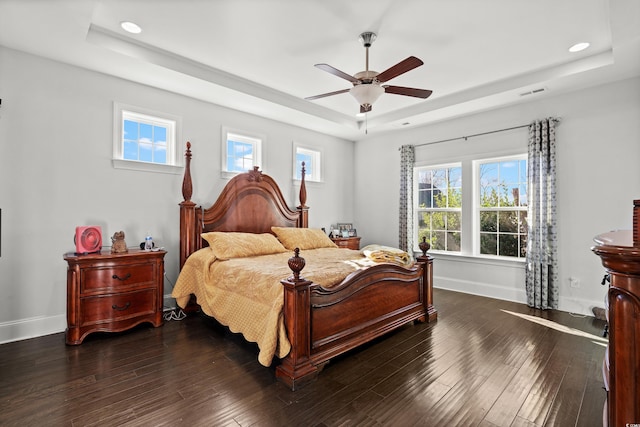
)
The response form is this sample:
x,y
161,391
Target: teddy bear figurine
x,y
119,246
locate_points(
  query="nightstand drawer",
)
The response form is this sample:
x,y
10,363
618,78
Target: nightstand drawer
x,y
101,278
110,308
347,242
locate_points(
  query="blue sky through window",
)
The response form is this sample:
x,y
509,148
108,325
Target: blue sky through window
x,y
144,142
308,165
239,156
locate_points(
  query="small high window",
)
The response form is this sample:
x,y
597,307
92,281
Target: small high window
x,y
241,152
145,140
312,163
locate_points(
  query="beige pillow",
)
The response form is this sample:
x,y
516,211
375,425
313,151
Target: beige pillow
x,y
303,238
227,245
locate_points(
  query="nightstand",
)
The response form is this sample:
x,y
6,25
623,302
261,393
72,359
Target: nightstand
x,y
113,292
347,242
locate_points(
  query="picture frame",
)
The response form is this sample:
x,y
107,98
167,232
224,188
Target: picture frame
x,y
344,226
352,232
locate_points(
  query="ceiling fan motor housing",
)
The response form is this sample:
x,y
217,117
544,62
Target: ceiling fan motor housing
x,y
367,38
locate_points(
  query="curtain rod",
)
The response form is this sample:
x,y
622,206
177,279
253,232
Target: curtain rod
x,y
471,136
555,119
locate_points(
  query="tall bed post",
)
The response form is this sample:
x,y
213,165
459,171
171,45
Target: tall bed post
x,y
427,280
296,368
187,211
303,219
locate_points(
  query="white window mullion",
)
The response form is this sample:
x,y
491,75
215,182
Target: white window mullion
x,y
468,201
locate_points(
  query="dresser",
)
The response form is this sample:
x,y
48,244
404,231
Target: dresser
x,y
347,242
620,255
113,292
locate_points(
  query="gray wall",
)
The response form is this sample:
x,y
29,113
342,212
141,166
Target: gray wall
x,y
56,130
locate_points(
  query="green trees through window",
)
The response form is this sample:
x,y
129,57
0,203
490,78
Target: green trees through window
x,y
440,207
503,208
499,214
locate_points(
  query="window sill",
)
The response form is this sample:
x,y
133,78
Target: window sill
x,y
310,182
147,167
483,260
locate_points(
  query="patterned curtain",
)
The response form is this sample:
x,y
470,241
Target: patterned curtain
x,y
405,234
542,255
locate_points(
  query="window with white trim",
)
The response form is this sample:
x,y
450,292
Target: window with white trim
x,y
312,163
477,207
145,140
502,207
241,152
439,206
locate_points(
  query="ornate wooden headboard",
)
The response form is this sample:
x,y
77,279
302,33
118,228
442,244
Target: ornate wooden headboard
x,y
251,202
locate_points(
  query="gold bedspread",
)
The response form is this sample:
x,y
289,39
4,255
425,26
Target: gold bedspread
x,y
246,295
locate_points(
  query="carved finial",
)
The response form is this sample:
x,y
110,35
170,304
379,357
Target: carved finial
x,y
424,246
187,186
303,189
296,264
255,174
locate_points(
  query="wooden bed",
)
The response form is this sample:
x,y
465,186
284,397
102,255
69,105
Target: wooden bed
x,y
320,323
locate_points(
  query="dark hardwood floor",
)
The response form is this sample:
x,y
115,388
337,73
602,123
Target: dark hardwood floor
x,y
485,362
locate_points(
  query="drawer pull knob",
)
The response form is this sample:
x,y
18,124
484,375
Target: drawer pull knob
x,y
115,276
115,307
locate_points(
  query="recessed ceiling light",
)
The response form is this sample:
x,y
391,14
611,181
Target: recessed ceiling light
x,y
578,47
131,27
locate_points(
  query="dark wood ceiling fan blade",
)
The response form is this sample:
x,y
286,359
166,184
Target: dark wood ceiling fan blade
x,y
311,98
400,68
408,91
331,70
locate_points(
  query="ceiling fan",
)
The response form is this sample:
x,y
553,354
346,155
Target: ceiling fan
x,y
367,86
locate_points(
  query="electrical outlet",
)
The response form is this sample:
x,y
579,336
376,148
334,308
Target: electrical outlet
x,y
574,282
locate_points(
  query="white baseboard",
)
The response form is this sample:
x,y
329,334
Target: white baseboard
x,y
481,289
23,329
169,302
571,305
45,325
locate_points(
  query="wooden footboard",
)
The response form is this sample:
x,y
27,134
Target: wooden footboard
x,y
323,323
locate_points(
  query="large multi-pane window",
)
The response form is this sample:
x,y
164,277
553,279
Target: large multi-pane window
x,y
502,207
439,209
473,208
241,152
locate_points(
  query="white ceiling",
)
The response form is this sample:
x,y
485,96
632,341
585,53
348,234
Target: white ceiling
x,y
258,56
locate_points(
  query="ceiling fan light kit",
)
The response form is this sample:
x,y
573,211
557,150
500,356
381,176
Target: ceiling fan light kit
x,y
366,94
366,84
